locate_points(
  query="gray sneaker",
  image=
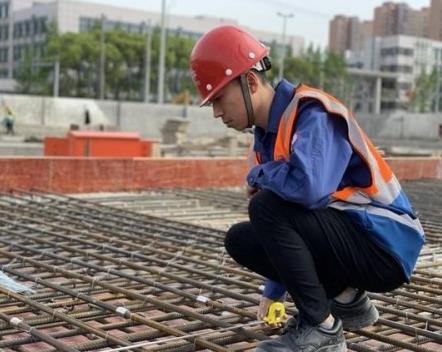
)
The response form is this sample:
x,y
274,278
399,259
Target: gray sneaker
x,y
303,337
358,314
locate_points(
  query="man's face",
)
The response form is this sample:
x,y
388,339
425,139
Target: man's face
x,y
228,104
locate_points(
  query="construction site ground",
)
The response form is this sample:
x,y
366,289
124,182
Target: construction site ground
x,y
147,270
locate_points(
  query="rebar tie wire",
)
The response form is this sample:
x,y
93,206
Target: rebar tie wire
x,y
177,338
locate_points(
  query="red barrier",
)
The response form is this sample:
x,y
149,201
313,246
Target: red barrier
x,y
100,144
73,175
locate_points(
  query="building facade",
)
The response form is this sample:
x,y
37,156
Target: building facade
x,y
408,57
348,34
435,22
399,18
400,44
338,34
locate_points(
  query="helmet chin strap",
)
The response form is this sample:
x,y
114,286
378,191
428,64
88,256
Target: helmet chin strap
x,y
247,100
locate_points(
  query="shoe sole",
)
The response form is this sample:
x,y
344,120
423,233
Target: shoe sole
x,y
342,347
355,324
336,348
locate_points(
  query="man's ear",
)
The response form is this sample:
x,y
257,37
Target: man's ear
x,y
253,81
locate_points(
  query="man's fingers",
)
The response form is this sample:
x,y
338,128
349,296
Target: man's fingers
x,y
261,314
274,326
251,190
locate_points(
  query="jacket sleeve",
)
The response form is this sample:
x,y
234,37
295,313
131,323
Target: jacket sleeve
x,y
320,154
274,290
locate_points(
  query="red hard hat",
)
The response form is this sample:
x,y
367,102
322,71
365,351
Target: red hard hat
x,y
220,56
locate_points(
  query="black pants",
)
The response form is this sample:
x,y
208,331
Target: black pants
x,y
315,254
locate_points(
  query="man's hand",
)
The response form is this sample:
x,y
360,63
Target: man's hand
x,y
263,309
251,190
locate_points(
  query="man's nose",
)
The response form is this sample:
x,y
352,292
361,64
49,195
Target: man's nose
x,y
217,112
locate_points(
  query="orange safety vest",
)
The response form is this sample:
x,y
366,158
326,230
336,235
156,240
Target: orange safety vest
x,y
384,187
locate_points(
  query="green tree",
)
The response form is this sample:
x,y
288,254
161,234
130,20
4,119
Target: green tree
x,y
298,69
33,79
178,53
321,69
336,79
423,97
79,55
35,72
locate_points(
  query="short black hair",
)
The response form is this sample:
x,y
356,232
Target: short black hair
x,y
261,75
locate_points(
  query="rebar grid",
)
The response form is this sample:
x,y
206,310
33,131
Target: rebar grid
x,y
109,276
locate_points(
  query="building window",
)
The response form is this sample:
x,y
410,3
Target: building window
x,y
4,32
87,24
397,51
437,55
38,26
20,52
3,55
43,25
393,85
17,53
19,30
27,26
404,85
4,10
397,68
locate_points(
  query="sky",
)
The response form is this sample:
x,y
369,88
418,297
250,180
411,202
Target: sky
x,y
311,18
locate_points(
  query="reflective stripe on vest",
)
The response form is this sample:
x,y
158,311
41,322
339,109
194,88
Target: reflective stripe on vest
x,y
404,219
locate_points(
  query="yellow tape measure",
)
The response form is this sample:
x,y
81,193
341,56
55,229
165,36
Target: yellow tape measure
x,y
275,314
